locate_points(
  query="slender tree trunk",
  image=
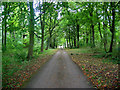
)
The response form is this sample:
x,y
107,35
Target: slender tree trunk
x,y
113,25
74,41
104,27
99,30
90,37
87,37
100,34
5,36
50,40
119,61
42,27
92,29
54,43
5,27
119,53
69,39
2,34
50,31
92,25
67,43
77,35
47,44
42,41
93,35
31,31
105,40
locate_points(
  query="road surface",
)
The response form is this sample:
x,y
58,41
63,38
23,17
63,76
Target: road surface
x,y
59,72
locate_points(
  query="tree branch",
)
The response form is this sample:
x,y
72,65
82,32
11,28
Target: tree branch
x,y
37,35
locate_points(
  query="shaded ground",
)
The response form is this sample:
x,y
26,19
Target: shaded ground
x,y
100,71
59,72
16,73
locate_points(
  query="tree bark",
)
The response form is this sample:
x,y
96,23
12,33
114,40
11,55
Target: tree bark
x,y
74,41
42,41
77,35
50,40
67,43
31,31
118,52
69,39
93,35
113,25
87,37
104,27
54,43
42,27
90,36
92,25
5,26
2,35
119,60
47,44
99,30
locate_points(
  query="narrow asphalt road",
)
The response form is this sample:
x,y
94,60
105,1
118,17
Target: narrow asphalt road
x,y
59,72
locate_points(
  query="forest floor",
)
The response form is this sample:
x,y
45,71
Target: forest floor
x,y
15,72
102,72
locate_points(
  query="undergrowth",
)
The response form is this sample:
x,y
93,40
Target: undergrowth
x,y
14,60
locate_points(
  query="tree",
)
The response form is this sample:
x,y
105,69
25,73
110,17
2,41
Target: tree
x,y
113,25
31,31
4,27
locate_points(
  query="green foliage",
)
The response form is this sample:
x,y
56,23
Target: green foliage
x,y
71,24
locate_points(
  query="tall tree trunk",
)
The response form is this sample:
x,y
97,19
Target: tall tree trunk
x,y
87,37
54,43
74,41
118,52
119,61
69,39
77,35
42,27
42,41
47,44
90,36
50,40
105,40
113,25
93,35
31,31
99,30
2,35
92,25
100,34
67,43
5,26
50,31
104,27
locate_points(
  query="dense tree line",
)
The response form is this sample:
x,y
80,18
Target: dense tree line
x,y
95,24
48,24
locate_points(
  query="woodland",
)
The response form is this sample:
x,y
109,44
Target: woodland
x,y
36,29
